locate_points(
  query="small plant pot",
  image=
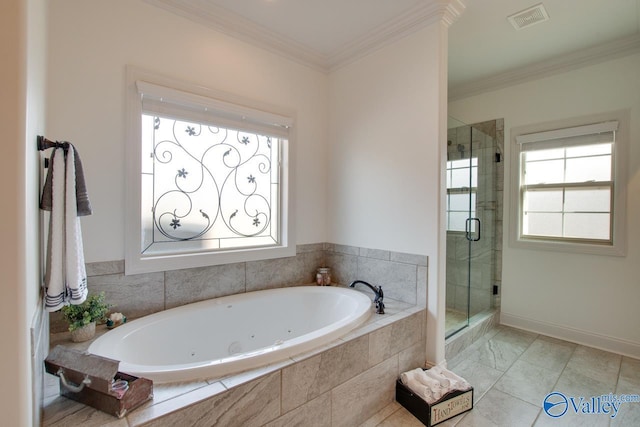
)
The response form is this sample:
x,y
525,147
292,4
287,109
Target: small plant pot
x,y
85,333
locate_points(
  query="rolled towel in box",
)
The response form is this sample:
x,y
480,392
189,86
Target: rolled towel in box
x,y
428,395
461,383
457,382
418,375
442,380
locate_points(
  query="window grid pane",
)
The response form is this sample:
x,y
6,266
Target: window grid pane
x,y
556,198
462,182
567,212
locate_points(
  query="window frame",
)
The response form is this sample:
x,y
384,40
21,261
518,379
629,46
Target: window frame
x,y
540,133
192,100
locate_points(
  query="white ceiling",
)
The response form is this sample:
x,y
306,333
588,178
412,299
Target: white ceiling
x,y
485,51
322,25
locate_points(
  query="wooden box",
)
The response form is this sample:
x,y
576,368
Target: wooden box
x,y
94,380
449,406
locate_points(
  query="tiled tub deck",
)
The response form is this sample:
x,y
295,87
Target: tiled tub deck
x,y
343,383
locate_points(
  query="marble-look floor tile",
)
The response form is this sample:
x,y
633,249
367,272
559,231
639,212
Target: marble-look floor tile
x,y
401,418
630,371
474,419
573,383
601,366
629,412
528,382
63,412
549,353
571,419
480,376
505,410
382,414
505,348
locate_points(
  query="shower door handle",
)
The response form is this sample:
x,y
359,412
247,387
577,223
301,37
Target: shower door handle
x,y
469,233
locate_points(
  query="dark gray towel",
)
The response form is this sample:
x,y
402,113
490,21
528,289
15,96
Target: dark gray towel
x,y
82,197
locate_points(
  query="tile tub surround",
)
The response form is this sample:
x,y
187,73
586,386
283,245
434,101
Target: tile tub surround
x,y
341,384
403,277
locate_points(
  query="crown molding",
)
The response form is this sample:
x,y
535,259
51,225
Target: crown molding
x,y
235,25
559,64
414,19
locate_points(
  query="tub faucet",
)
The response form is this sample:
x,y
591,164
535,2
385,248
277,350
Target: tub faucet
x,y
376,290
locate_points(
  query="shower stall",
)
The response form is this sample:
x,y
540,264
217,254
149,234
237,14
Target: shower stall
x,y
474,221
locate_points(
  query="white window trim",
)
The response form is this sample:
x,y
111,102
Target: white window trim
x,y
233,106
552,130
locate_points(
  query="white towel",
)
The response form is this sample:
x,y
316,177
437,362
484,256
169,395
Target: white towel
x,y
418,376
74,252
66,278
428,389
54,279
457,382
428,395
443,381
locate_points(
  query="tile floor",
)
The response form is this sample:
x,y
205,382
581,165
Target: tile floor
x,y
512,371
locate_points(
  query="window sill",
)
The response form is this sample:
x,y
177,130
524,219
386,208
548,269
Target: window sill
x,y
568,247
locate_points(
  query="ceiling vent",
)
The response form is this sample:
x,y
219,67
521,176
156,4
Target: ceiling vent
x,y
528,17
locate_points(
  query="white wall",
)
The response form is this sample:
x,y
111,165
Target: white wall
x,y
22,24
585,298
388,124
91,43
387,139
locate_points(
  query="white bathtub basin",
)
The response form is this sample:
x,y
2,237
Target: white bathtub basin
x,y
227,335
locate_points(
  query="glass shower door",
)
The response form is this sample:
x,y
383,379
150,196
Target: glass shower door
x,y
460,207
471,210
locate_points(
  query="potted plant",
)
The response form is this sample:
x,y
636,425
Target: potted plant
x,y
82,318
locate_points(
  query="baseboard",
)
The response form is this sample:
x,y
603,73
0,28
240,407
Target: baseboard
x,y
578,336
39,332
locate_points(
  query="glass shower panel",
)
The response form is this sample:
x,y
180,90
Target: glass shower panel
x,y
482,243
461,202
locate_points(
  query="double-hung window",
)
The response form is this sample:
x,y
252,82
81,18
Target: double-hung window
x,y
567,188
208,180
462,189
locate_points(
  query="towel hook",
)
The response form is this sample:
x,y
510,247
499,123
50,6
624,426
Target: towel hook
x,y
44,144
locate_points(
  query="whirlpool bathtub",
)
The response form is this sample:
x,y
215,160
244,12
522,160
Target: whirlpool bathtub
x,y
226,335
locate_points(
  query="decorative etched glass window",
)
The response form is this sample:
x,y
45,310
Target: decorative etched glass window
x,y
571,188
209,181
206,187
462,187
